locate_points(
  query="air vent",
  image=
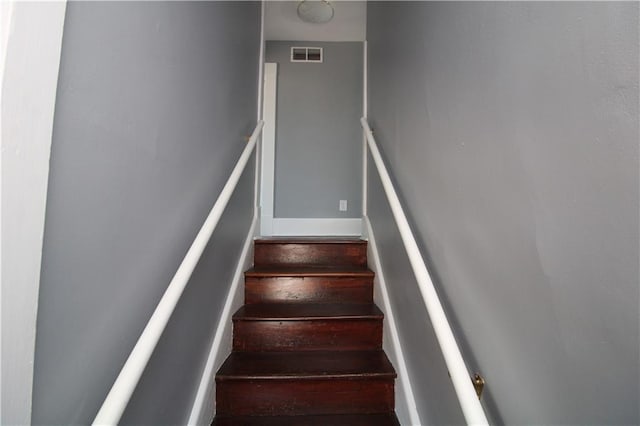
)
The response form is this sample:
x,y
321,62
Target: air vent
x,y
306,54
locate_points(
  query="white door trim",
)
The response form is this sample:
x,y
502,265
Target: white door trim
x,y
365,103
268,148
258,152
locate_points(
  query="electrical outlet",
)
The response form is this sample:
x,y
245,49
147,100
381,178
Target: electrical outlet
x,y
343,205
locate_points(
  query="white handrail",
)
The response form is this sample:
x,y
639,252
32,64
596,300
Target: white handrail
x,y
471,407
122,389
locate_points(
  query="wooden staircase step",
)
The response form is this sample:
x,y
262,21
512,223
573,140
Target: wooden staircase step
x,y
308,287
302,327
262,384
307,344
306,365
305,251
386,419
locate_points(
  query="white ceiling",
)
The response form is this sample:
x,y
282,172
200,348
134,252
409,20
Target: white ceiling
x,y
349,22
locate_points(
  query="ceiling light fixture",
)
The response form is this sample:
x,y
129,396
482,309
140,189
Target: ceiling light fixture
x,y
315,11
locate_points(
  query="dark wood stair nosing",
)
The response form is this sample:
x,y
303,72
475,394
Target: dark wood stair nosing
x,y
309,240
307,365
308,312
310,318
308,271
345,376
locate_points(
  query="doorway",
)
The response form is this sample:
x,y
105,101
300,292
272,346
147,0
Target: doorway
x,y
312,141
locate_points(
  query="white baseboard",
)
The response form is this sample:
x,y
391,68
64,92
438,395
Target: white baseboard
x,y
203,409
316,226
406,408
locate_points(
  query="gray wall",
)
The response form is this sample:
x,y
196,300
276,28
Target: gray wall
x,y
318,135
153,103
511,130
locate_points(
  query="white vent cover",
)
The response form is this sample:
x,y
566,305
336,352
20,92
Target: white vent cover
x,y
306,54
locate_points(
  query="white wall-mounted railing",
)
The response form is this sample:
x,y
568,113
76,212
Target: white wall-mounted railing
x,y
471,407
122,389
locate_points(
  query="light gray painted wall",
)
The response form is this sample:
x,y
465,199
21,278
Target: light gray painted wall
x,y
154,100
318,135
511,130
167,390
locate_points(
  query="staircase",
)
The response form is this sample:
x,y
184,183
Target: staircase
x,y
307,344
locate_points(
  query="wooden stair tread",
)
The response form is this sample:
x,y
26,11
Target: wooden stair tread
x,y
385,419
309,240
307,311
306,365
309,271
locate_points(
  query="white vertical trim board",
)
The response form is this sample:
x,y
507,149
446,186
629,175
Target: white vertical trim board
x,y
30,61
203,409
257,175
365,88
365,80
406,409
268,148
261,63
317,227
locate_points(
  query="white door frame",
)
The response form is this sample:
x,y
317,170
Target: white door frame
x,y
268,148
270,225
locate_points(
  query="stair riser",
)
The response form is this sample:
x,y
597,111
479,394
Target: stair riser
x,y
308,290
288,254
340,334
296,397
